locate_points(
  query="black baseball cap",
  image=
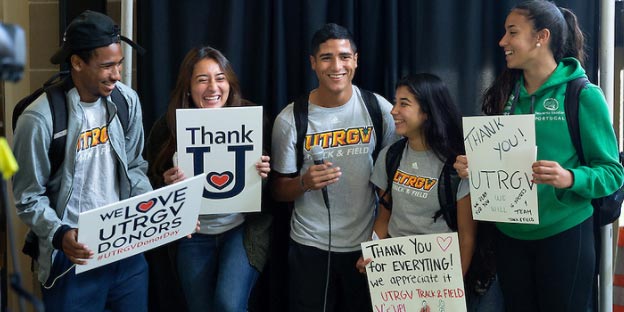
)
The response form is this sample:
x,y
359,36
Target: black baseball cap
x,y
88,31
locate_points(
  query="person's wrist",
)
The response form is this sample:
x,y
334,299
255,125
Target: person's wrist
x,y
303,187
57,239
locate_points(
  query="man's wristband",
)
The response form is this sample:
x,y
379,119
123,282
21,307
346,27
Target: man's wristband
x,y
57,240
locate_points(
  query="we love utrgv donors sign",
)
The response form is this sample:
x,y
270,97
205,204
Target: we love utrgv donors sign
x,y
140,223
225,144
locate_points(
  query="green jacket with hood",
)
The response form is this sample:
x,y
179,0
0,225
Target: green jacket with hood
x,y
562,209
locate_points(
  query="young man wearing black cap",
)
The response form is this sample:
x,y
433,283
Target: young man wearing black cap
x,y
102,165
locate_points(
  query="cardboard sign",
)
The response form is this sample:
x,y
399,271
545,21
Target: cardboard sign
x,y
134,225
226,144
415,273
501,151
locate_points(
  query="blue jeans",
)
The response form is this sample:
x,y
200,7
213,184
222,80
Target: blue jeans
x,y
490,301
215,272
119,286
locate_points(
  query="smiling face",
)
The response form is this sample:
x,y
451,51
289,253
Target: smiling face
x,y
334,64
97,77
407,114
209,85
520,41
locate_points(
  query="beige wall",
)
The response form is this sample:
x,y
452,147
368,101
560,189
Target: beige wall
x,y
39,19
17,12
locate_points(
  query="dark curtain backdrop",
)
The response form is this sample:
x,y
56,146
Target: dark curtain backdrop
x,y
267,42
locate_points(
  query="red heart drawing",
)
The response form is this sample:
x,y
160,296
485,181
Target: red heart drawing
x,y
444,243
220,180
146,205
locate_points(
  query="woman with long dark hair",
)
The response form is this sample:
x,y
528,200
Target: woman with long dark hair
x,y
219,265
429,122
550,266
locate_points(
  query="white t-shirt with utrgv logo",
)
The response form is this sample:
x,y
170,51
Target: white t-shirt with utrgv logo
x,y
346,135
95,182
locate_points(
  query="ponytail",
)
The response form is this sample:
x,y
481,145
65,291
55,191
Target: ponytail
x,y
574,46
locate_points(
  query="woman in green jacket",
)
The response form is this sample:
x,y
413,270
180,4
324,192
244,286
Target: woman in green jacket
x,y
550,266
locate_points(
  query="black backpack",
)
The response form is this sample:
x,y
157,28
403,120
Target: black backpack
x,y
606,209
55,89
448,183
300,111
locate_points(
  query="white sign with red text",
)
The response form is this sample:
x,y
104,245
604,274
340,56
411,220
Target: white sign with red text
x,y
226,144
415,273
134,225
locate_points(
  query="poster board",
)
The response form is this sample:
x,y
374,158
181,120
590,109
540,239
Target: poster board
x,y
137,224
501,151
226,144
416,272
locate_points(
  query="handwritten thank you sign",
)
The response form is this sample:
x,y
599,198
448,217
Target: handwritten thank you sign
x,y
417,272
501,151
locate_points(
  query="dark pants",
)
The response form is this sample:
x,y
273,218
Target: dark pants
x,y
551,274
119,286
348,289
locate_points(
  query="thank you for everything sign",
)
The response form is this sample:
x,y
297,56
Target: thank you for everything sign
x,y
501,151
224,143
140,223
417,272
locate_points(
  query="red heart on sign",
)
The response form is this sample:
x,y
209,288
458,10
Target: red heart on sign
x,y
444,242
146,205
220,180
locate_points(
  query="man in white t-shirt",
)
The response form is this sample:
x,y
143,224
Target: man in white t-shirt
x,y
339,122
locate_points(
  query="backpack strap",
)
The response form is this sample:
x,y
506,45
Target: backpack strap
x,y
300,111
447,193
23,103
374,111
571,106
58,108
393,159
122,108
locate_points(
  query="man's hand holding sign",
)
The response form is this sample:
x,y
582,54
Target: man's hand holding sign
x,y
140,223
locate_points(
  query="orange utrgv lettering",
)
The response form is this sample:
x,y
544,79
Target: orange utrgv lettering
x,y
421,183
340,137
92,138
